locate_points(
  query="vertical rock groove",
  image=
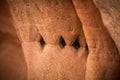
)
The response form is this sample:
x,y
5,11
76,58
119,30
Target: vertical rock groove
x,y
101,46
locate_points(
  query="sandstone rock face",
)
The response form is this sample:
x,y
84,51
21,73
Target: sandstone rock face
x,y
12,60
109,10
58,40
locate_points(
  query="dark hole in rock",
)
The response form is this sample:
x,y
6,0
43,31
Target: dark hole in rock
x,y
42,42
86,47
76,44
62,42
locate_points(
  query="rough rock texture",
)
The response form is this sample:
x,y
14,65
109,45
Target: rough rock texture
x,y
59,40
103,54
12,60
110,10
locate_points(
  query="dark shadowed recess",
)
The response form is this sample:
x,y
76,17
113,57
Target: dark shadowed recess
x,y
12,61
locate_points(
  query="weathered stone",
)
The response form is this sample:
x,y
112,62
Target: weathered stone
x,y
12,61
59,39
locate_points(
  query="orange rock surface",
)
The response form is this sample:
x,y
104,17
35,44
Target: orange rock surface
x,y
59,40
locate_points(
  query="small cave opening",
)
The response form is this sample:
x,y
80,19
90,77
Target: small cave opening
x,y
62,42
42,42
76,44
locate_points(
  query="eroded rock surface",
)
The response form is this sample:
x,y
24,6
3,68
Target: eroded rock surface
x,y
102,49
110,12
12,60
62,40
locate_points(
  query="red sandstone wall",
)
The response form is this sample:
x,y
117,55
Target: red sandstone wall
x,y
59,40
12,61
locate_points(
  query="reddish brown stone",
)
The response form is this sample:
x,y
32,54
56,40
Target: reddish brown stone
x,y
58,40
